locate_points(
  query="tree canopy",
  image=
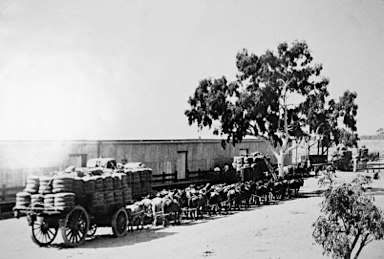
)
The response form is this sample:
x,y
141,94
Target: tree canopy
x,y
277,96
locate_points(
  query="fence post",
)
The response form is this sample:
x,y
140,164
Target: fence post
x,y
163,177
3,192
175,177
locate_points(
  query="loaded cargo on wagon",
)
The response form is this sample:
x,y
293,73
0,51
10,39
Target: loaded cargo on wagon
x,y
79,200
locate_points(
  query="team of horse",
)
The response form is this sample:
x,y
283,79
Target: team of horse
x,y
197,200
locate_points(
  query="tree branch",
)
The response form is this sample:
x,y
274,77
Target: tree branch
x,y
266,141
285,109
355,240
362,244
292,147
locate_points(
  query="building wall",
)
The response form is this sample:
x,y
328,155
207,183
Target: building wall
x,y
18,159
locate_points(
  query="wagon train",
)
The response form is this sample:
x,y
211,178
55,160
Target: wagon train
x,y
79,205
124,199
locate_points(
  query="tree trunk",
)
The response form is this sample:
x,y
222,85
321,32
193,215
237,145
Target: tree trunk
x,y
280,163
362,244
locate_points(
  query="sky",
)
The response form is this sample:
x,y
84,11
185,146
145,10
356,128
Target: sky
x,y
125,69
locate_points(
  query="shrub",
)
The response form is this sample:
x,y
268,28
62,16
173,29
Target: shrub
x,y
349,220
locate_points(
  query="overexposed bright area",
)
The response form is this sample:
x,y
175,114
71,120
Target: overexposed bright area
x,y
93,69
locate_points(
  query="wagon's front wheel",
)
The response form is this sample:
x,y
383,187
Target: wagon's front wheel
x,y
92,230
41,233
120,222
75,227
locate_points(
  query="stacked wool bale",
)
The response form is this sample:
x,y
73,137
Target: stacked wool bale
x,y
37,200
49,200
93,193
241,162
124,193
238,162
140,181
64,200
88,185
45,186
103,191
109,198
23,200
107,182
136,184
116,181
108,190
124,180
56,192
99,183
63,189
31,195
126,190
248,161
117,193
96,202
118,197
146,181
33,184
62,184
78,189
143,182
149,179
129,175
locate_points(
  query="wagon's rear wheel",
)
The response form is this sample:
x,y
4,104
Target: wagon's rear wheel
x,y
42,234
75,227
120,222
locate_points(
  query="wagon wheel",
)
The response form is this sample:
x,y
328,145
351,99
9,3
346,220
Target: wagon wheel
x,y
120,222
92,230
42,234
75,227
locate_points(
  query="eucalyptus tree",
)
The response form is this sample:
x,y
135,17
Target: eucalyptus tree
x,y
337,123
279,97
349,220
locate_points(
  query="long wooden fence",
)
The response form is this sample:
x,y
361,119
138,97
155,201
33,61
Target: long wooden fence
x,y
9,193
8,200
165,179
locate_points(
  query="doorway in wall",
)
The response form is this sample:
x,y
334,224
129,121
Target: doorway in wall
x,y
243,152
181,164
77,160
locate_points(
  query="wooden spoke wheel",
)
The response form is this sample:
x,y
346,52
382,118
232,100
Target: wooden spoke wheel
x,y
42,234
75,227
120,222
92,230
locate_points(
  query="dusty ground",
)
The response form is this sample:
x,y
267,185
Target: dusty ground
x,y
274,231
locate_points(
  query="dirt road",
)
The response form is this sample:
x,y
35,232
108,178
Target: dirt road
x,y
275,231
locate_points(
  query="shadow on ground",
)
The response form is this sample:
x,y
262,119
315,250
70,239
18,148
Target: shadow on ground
x,y
108,240
150,232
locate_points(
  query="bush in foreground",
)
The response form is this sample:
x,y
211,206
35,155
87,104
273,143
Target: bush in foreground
x,y
349,220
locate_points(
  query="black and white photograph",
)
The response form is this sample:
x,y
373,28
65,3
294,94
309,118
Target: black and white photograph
x,y
218,129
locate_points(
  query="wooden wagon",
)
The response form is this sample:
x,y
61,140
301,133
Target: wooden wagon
x,y
75,224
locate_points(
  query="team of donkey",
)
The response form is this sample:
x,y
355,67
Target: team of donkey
x,y
195,201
